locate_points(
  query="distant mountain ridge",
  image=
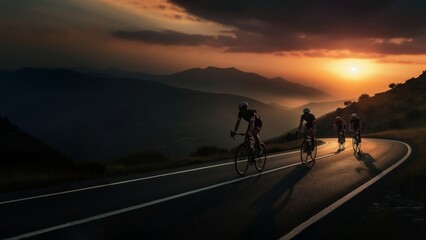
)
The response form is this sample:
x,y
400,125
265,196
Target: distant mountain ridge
x,y
88,117
232,81
321,108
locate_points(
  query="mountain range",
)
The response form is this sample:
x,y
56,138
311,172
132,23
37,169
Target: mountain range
x,y
97,118
231,81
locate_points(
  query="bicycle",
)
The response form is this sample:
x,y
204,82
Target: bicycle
x,y
356,142
308,148
247,154
341,139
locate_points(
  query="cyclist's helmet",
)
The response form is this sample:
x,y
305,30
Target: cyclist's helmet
x,y
306,110
243,105
354,115
338,117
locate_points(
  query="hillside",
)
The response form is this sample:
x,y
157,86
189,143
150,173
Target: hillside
x,y
19,150
397,114
401,107
94,118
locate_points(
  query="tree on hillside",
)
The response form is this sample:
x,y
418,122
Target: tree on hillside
x,y
363,97
392,85
347,103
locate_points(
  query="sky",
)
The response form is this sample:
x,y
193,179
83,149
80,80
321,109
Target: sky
x,y
344,47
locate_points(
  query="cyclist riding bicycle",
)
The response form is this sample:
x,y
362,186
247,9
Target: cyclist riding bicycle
x,y
355,125
311,123
255,124
340,126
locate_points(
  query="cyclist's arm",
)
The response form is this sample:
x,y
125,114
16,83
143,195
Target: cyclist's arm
x,y
334,127
237,125
314,123
300,125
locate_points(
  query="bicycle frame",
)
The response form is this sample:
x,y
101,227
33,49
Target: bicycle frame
x,y
242,162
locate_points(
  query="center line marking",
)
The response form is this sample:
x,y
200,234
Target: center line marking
x,y
140,206
135,180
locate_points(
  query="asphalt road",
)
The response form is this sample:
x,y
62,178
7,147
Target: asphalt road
x,y
206,202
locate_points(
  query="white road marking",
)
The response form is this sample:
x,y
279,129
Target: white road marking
x,y
346,198
136,207
135,180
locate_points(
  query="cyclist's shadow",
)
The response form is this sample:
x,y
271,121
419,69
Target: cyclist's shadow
x,y
272,202
368,161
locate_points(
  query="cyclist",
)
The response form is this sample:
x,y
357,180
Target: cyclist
x,y
355,125
255,124
340,126
311,123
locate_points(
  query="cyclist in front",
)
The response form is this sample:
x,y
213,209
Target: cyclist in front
x,y
355,125
340,126
311,123
255,124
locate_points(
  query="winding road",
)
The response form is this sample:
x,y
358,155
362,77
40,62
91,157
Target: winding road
x,y
203,202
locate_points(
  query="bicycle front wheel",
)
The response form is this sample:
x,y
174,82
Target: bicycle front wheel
x,y
242,159
261,159
314,150
304,152
355,144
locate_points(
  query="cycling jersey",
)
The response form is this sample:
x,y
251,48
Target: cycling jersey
x,y
309,118
248,114
356,123
340,124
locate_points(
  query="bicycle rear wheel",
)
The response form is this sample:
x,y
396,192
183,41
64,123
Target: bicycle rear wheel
x,y
242,159
261,160
304,152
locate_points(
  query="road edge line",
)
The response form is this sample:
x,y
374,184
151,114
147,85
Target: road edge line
x,y
349,196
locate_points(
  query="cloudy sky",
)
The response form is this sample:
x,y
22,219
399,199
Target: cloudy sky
x,y
345,47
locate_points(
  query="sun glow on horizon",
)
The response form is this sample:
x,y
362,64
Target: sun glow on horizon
x,y
353,68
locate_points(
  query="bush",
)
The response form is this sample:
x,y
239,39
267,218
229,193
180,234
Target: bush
x,y
414,114
206,151
395,124
363,97
147,156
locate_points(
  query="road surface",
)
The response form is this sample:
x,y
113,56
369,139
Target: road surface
x,y
202,202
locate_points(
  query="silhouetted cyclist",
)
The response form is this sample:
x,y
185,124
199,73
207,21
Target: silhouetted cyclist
x,y
311,123
355,125
340,127
255,124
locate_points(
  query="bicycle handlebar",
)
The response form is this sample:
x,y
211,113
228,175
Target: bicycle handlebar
x,y
236,133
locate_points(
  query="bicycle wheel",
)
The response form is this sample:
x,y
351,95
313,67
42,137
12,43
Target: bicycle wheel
x,y
314,150
261,160
304,152
341,141
359,144
242,159
355,144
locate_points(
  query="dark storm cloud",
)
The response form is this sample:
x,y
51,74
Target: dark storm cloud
x,y
169,37
276,25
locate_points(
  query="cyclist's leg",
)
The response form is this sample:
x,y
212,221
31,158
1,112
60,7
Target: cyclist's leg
x,y
256,136
359,135
313,138
312,133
